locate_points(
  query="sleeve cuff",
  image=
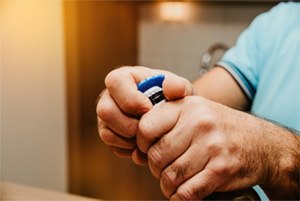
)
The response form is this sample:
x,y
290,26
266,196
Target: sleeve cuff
x,y
245,85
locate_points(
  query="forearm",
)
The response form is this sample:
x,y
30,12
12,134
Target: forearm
x,y
279,146
218,85
282,178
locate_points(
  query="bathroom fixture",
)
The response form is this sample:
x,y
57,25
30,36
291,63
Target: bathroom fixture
x,y
207,57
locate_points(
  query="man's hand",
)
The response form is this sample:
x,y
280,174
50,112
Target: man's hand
x,y
197,147
121,105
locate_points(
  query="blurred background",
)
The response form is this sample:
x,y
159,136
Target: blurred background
x,y
54,57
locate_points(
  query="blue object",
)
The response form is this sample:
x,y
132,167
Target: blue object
x,y
146,84
152,88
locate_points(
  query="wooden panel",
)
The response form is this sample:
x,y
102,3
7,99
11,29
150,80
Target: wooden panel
x,y
100,35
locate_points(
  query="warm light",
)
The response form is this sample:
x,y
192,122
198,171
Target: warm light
x,y
173,11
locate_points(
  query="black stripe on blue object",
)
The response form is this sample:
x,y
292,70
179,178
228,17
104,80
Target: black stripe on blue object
x,y
157,97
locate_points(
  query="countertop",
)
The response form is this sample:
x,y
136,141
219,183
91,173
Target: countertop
x,y
20,192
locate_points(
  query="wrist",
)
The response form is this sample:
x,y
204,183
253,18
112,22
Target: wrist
x,y
281,172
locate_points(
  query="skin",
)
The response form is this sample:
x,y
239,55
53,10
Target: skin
x,y
199,142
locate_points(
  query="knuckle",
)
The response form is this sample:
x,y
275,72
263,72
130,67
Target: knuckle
x,y
211,174
180,171
111,78
168,178
155,162
191,100
99,107
215,146
223,168
206,124
105,111
172,177
194,102
198,190
209,183
154,157
208,121
202,106
106,136
159,152
185,193
175,174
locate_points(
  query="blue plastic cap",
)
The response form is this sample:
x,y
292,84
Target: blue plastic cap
x,y
146,84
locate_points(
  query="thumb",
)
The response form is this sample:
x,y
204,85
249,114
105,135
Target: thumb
x,y
176,87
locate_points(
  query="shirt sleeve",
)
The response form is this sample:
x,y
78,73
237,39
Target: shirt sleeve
x,y
245,60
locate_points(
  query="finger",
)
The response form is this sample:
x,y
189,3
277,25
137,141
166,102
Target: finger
x,y
121,153
112,116
176,87
198,187
183,168
122,85
113,139
155,123
167,149
139,157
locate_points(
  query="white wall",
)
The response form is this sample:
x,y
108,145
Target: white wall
x,y
33,112
178,46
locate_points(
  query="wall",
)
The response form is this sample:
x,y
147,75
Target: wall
x,y
33,119
178,46
33,132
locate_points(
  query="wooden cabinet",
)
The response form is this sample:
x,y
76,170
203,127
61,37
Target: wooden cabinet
x,y
100,35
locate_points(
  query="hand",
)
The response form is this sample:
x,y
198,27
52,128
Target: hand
x,y
121,105
196,147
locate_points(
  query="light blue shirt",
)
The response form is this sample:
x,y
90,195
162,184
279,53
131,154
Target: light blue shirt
x,y
266,64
